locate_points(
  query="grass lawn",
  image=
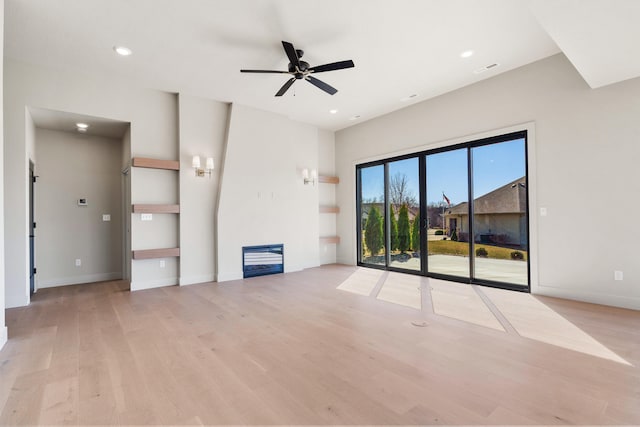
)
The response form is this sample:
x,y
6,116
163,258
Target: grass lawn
x,y
449,247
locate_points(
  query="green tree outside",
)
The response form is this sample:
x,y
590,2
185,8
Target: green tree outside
x,y
374,237
404,231
394,229
415,234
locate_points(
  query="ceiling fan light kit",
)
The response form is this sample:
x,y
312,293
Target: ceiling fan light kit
x,y
300,70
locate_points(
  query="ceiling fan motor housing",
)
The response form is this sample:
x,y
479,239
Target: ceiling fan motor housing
x,y
303,66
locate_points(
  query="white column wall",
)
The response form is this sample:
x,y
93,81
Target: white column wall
x,y
203,126
263,199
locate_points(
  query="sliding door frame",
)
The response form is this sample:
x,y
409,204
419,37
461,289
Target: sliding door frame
x,y
422,168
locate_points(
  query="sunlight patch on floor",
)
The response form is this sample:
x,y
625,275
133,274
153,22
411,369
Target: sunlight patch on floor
x,y
532,319
460,301
362,281
402,289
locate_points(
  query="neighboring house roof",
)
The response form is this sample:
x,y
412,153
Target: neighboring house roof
x,y
510,198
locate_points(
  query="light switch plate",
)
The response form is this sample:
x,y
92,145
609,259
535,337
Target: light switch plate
x,y
146,217
106,217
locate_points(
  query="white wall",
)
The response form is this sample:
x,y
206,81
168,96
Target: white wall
x,y
585,153
3,328
154,133
203,126
71,166
263,199
327,194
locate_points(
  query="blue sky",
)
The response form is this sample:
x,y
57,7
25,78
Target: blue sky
x,y
493,166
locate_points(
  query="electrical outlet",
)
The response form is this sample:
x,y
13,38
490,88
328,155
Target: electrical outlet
x,y
617,275
78,262
146,217
162,263
106,217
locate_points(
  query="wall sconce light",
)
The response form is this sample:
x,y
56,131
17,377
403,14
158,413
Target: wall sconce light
x,y
195,163
309,178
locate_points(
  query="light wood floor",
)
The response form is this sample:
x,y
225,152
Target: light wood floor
x,y
294,349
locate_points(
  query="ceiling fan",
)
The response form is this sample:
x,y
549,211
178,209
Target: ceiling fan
x,y
300,70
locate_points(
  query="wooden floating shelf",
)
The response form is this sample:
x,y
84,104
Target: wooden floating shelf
x,y
328,179
156,253
138,208
329,209
143,162
330,239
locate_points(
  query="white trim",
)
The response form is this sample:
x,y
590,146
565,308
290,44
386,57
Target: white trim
x,y
13,301
632,303
3,336
150,284
292,268
76,280
531,177
225,277
191,280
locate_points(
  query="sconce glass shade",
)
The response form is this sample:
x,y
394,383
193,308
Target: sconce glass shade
x,y
305,174
314,174
209,165
195,162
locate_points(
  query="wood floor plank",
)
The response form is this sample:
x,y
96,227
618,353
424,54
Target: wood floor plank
x,y
297,349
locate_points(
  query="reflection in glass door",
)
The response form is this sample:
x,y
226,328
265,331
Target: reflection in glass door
x,y
500,212
448,213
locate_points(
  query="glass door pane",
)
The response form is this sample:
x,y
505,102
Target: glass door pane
x,y
500,212
404,214
448,213
371,221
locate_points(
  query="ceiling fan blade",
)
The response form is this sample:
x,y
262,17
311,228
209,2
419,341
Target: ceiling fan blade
x,y
264,71
333,66
322,85
291,53
286,86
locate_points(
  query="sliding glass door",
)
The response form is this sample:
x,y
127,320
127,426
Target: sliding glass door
x,y
447,186
458,212
403,183
500,211
371,214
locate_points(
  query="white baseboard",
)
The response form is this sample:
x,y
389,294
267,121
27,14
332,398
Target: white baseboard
x,y
292,268
632,303
14,301
76,280
345,261
191,280
225,277
3,336
141,285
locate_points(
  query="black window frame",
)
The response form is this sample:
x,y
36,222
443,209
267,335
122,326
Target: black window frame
x,y
421,155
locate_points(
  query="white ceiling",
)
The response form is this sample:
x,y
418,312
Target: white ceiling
x,y
66,122
400,47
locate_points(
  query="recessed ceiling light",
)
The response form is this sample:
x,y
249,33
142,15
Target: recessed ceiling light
x,y
82,125
466,54
356,117
333,111
123,51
